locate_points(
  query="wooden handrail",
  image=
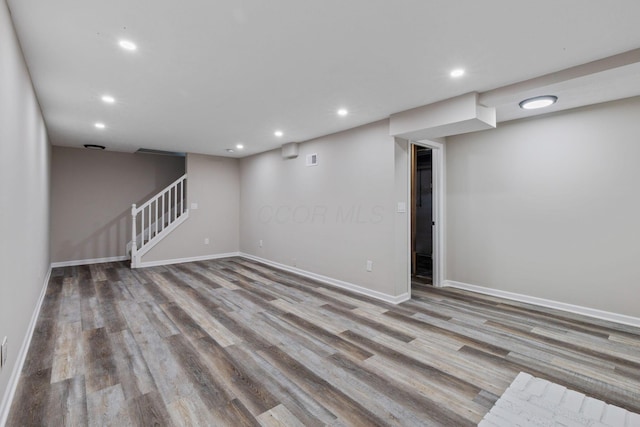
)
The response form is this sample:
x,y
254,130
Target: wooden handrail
x,y
168,187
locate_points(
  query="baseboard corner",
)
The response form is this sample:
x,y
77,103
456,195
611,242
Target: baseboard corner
x,y
331,281
88,261
14,378
188,259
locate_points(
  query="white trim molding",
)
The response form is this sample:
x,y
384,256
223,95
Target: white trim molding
x,y
331,281
12,385
189,259
571,308
89,261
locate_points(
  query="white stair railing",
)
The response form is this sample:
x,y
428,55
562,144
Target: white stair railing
x,y
157,217
150,229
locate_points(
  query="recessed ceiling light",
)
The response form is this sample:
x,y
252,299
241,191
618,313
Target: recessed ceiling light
x,y
99,125
127,45
458,72
538,102
94,146
343,112
108,99
278,133
239,146
229,150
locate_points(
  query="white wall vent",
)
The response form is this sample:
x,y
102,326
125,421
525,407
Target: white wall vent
x,y
312,159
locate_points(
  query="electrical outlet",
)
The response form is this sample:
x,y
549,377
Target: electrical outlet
x,y
369,265
3,352
260,243
206,240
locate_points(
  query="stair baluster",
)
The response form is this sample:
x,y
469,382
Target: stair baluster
x,y
155,223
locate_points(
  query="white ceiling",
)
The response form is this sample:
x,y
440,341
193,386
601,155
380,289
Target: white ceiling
x,y
210,74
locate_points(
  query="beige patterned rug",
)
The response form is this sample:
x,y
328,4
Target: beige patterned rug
x,y
531,401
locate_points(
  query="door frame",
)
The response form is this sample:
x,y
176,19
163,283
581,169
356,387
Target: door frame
x,y
438,191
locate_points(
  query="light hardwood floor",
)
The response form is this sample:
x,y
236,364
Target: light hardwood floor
x,y
233,342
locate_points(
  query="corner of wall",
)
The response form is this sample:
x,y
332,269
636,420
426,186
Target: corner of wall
x,y
213,227
25,166
7,398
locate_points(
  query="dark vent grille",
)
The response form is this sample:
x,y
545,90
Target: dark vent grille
x,y
160,152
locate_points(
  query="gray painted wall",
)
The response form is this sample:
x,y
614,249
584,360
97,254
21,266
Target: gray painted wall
x,y
24,198
549,207
214,184
91,197
327,219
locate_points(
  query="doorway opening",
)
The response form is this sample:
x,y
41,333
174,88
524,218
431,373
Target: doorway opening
x,y
426,187
422,216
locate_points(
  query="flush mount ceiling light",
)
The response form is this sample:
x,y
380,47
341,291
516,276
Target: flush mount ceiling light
x,y
99,125
94,146
229,150
127,45
278,133
538,102
458,72
239,146
108,99
342,112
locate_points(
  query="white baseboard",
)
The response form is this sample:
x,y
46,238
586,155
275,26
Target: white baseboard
x,y
331,281
190,259
88,261
12,385
585,311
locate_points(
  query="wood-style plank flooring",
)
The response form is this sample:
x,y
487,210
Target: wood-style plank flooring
x,y
232,342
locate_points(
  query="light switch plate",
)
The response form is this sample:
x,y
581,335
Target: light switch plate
x,y
194,206
402,207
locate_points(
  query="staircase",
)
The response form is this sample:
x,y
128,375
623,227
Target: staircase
x,y
156,218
